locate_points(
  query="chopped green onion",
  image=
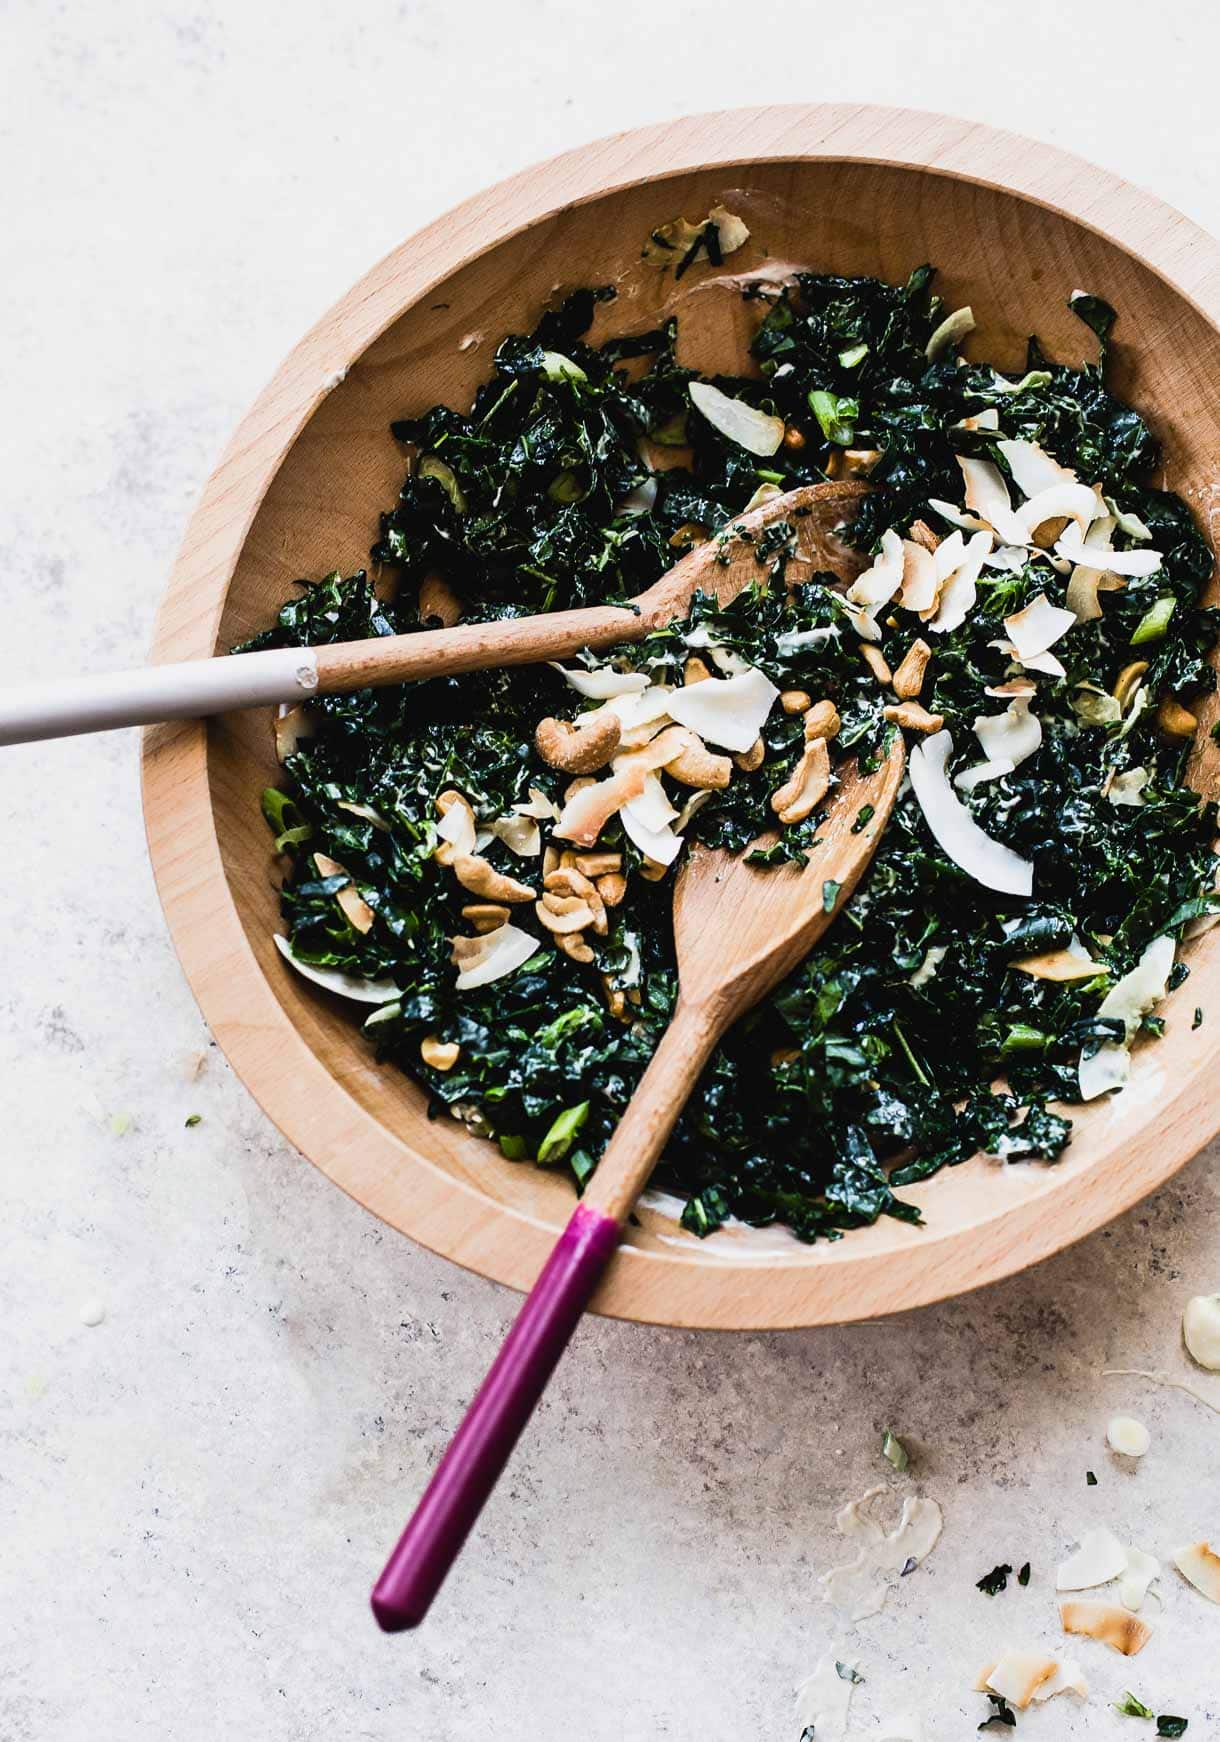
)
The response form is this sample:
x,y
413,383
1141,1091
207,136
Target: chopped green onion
x,y
432,466
1155,621
512,1146
193,1119
1022,1037
836,415
562,1135
854,354
893,1451
1130,1707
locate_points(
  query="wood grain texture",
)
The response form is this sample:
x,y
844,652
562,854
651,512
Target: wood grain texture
x,y
737,932
1015,226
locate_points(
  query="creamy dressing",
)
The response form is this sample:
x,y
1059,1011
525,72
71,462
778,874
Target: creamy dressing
x,y
862,1585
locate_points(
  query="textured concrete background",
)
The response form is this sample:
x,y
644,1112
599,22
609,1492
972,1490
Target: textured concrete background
x,y
195,1493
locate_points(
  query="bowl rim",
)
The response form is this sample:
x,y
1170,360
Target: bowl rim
x,y
828,1284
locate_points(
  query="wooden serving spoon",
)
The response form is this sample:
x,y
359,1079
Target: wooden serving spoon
x,y
737,931
199,687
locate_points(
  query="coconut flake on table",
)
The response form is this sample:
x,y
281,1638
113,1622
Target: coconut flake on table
x,y
1127,1001
1200,1565
823,1699
878,584
1035,629
1137,1578
492,956
1100,1558
755,431
1134,563
602,681
959,588
334,980
988,861
728,711
1020,1677
1127,1436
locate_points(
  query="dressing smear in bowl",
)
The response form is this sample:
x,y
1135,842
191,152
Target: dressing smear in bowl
x,y
483,862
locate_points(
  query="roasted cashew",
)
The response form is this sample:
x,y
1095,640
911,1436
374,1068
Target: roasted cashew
x,y
474,872
822,721
442,1055
485,916
795,701
697,766
695,670
596,864
754,757
573,944
908,679
1175,720
612,888
652,869
1126,681
914,717
571,882
807,786
578,749
876,662
563,913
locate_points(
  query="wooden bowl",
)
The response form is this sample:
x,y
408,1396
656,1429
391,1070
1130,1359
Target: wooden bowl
x,y
1014,227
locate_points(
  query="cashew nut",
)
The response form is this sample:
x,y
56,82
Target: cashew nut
x,y
596,864
568,881
474,872
563,913
442,1055
806,787
754,757
695,670
691,532
652,870
1175,720
921,533
612,888
852,462
1127,679
573,944
697,766
485,916
551,860
437,599
579,749
876,662
822,721
914,717
616,1000
795,701
908,679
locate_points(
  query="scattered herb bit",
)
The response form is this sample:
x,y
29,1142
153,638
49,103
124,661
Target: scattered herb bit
x,y
1168,1725
1130,1707
1023,1575
864,817
830,894
120,1123
193,1119
908,1566
847,1673
992,1583
1198,1021
1003,1713
1090,1478
893,1450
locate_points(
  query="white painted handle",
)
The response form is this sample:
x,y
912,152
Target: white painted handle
x,y
160,692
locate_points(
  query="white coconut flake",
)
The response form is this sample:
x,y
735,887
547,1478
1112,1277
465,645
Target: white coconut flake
x,y
752,430
694,803
956,516
948,334
602,682
920,580
1201,1330
457,827
1021,1677
987,496
862,1585
988,861
1128,787
1033,469
520,834
979,773
927,970
1141,1570
878,584
1037,628
823,1699
501,952
1127,1001
1013,736
726,711
333,980
1076,502
1135,563
960,589
640,500
1100,1558
794,640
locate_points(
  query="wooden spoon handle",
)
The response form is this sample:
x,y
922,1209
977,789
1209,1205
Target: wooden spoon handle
x,y
479,1450
102,701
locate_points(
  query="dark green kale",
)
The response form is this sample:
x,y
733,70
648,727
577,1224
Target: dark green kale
x,y
992,1583
1167,1725
1002,1713
1023,1575
876,1063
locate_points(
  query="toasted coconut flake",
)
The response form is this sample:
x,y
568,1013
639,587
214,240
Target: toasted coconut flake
x,y
1128,1000
958,593
1062,966
1013,686
920,581
520,834
1075,502
1013,736
987,496
1134,1585
1200,1565
752,430
695,802
956,517
1201,1330
949,334
602,682
1136,563
540,806
492,956
586,812
640,500
1036,628
729,711
356,910
1127,1436
1033,469
457,827
332,980
988,861
1113,1626
878,584
1100,1558
731,230
365,812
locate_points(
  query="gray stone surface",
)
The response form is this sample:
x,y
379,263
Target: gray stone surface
x,y
195,1493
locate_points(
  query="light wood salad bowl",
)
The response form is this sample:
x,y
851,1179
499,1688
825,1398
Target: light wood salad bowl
x,y
1014,228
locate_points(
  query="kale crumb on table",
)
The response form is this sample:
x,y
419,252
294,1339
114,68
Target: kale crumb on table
x,y
578,476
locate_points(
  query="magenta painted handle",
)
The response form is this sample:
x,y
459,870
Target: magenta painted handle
x,y
504,1403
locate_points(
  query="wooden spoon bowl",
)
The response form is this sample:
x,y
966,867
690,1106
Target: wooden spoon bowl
x,y
1014,227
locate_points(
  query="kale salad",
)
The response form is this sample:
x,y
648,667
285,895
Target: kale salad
x,y
487,860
